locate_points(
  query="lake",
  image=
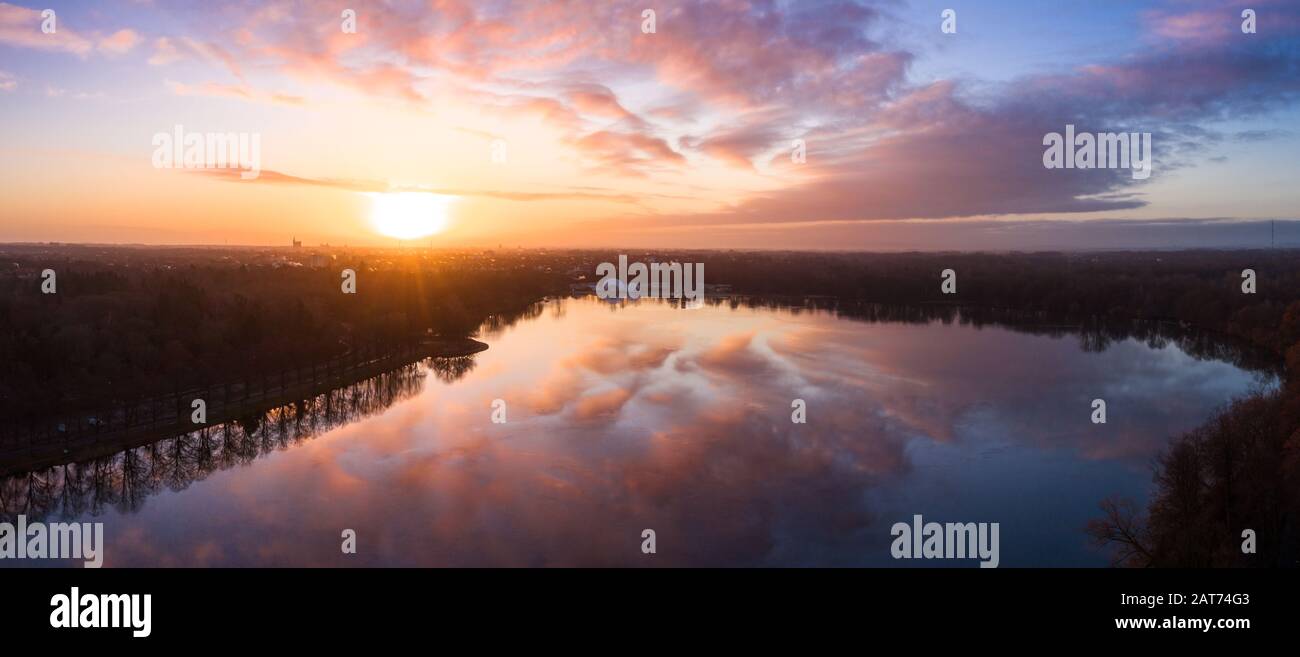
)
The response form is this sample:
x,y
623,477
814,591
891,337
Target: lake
x,y
622,418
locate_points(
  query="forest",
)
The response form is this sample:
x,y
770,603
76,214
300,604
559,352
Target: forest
x,y
112,332
125,324
1239,471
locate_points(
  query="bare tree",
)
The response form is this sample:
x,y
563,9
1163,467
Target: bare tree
x,y
1122,530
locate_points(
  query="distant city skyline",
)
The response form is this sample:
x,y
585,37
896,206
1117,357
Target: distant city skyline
x,y
458,123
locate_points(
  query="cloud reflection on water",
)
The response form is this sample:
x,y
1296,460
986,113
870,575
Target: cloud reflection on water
x,y
645,416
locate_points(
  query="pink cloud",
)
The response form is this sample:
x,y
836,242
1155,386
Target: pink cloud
x,y
736,81
20,27
165,52
119,42
598,100
626,152
237,91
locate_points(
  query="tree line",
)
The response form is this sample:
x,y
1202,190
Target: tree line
x,y
113,334
1228,492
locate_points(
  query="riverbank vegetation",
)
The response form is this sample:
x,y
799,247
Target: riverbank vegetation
x,y
1226,493
122,327
130,322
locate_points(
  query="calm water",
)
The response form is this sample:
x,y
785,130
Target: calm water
x,y
648,416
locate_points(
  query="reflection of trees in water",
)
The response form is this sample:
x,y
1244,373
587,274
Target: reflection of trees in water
x,y
450,370
1237,471
494,324
126,479
1096,335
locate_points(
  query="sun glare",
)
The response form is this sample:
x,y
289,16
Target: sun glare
x,y
409,215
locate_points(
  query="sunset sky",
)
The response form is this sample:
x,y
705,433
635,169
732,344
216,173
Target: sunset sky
x,y
682,137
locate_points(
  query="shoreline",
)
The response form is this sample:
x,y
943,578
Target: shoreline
x,y
39,454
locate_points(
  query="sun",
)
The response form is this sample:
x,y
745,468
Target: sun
x,y
409,215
